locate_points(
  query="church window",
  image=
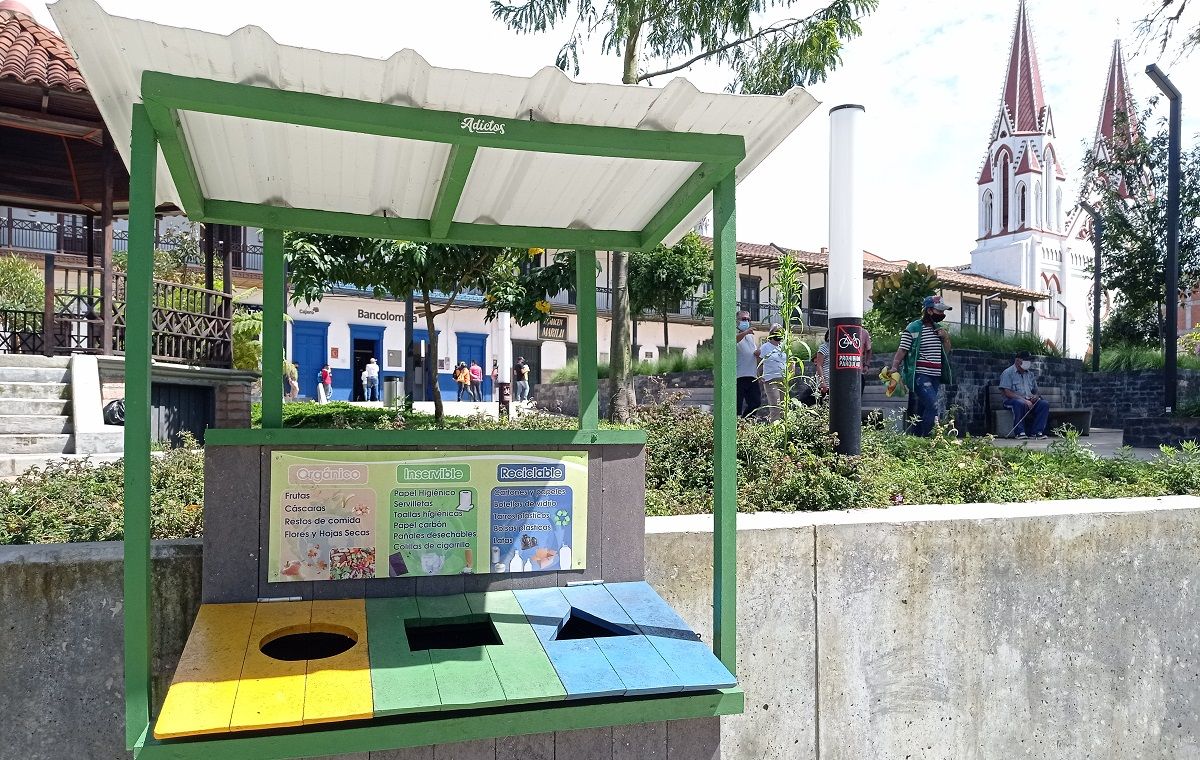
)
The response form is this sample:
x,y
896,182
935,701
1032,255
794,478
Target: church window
x,y
1005,170
1037,204
1058,214
1021,205
985,223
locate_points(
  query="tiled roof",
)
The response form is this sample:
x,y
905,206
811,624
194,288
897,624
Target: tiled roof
x,y
32,54
757,254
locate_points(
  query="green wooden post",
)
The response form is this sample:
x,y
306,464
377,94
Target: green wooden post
x,y
724,425
585,312
139,286
274,308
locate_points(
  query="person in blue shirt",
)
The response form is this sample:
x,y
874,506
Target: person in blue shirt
x,y
1019,386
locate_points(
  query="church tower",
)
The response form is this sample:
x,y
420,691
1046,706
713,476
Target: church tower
x,y
1022,198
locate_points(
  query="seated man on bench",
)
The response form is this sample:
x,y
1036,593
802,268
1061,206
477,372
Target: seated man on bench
x,y
1019,386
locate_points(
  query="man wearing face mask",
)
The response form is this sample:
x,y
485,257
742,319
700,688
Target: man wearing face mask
x,y
923,360
1020,389
772,358
749,396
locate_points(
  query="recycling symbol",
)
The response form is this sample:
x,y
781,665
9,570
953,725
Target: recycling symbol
x,y
562,517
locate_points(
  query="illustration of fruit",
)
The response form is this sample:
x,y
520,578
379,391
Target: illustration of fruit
x,y
291,568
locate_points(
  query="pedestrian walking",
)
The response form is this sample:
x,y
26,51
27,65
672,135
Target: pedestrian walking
x,y
821,359
773,364
521,376
476,373
371,381
462,376
495,380
325,385
923,359
749,394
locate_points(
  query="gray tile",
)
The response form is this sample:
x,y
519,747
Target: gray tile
x,y
482,749
624,552
408,753
440,585
640,741
595,523
694,739
584,744
530,747
388,587
355,589
232,480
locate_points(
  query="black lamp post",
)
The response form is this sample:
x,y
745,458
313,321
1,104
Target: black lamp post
x,y
1097,290
1170,367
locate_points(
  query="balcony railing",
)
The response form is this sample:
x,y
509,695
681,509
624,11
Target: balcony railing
x,y
51,237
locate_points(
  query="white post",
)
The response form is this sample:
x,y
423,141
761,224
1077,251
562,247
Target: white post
x,y
845,286
504,367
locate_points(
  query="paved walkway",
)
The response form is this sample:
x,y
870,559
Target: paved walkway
x,y
1103,441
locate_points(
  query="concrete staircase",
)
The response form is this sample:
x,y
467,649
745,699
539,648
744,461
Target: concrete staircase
x,y
35,412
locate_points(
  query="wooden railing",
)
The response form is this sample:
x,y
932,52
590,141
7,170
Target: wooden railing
x,y
191,325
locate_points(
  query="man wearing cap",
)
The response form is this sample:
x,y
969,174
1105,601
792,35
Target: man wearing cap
x,y
923,360
1020,389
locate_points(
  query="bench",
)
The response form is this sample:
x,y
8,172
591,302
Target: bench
x,y
1060,414
876,401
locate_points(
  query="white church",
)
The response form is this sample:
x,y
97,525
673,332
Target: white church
x,y
1031,233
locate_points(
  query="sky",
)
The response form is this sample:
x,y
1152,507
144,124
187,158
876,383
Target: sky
x,y
929,73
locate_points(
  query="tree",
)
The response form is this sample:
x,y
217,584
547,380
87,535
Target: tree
x,y
661,278
896,299
1127,181
1166,23
523,289
22,286
766,58
395,269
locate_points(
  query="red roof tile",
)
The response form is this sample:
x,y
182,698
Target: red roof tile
x,y
1023,96
32,54
756,254
985,176
1029,162
1117,99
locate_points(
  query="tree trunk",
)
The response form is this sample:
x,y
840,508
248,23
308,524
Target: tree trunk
x,y
431,356
621,395
666,340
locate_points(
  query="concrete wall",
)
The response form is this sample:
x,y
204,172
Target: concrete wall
x,y
1149,432
1061,630
1115,397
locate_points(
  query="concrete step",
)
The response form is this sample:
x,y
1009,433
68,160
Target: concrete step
x,y
44,391
34,375
21,443
39,407
14,465
34,424
28,360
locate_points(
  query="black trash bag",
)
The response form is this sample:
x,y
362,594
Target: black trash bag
x,y
114,412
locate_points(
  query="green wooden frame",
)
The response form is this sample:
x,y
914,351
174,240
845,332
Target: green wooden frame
x,y
157,124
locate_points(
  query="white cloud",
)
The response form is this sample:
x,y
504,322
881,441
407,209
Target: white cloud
x,y
928,71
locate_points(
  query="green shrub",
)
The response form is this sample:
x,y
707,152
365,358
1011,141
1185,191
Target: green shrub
x,y
702,360
1125,357
344,415
71,500
974,339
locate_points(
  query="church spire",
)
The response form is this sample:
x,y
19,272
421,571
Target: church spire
x,y
1024,101
1117,99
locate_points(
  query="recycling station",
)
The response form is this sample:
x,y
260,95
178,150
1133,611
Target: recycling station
x,y
380,589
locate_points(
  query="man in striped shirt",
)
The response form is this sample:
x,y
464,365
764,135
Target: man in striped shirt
x,y
924,354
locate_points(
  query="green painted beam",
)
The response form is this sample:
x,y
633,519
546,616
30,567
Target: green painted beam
x,y
724,425
174,147
347,115
585,309
274,309
442,728
687,197
454,181
140,274
395,228
354,438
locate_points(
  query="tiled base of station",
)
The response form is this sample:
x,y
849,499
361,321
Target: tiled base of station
x,y
544,645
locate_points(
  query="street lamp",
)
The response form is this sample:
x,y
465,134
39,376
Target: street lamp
x,y
1170,368
1097,236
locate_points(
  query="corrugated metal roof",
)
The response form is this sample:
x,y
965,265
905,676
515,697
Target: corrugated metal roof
x,y
305,167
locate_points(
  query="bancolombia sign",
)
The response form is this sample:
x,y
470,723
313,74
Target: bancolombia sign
x,y
477,126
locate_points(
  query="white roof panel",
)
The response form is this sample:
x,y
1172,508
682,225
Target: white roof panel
x,y
306,167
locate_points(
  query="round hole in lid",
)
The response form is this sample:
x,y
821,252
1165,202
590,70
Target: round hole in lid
x,y
313,642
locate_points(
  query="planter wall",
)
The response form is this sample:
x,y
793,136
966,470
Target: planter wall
x,y
1151,432
1115,397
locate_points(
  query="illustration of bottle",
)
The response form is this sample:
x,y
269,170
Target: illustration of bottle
x,y
468,562
564,557
514,565
528,566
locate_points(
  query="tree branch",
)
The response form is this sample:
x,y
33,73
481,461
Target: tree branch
x,y
782,27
